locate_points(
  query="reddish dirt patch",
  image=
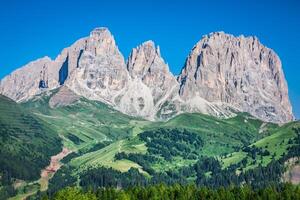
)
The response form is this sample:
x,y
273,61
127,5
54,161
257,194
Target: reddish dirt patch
x,y
295,174
50,170
55,163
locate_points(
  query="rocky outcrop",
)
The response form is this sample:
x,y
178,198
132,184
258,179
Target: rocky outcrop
x,y
222,75
147,67
146,63
239,72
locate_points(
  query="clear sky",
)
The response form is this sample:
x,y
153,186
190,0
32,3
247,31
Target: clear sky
x,y
32,29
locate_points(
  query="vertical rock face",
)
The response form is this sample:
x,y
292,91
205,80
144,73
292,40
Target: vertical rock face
x,y
239,72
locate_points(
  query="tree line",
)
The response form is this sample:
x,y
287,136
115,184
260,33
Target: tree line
x,y
178,192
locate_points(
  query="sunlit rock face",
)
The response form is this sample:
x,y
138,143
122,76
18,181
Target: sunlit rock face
x,y
222,75
28,80
237,71
42,75
147,67
101,73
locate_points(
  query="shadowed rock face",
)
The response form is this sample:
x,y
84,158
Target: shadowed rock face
x,y
63,71
222,73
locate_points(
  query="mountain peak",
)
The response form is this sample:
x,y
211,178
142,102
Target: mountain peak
x,y
226,36
101,37
148,43
144,57
148,47
100,31
238,71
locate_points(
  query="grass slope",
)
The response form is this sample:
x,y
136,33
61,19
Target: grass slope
x,y
276,143
84,125
221,136
26,143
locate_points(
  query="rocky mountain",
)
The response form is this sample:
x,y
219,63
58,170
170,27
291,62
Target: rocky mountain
x,y
43,74
146,67
237,71
101,71
222,74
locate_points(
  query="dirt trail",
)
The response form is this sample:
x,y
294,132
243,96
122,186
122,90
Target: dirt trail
x,y
50,170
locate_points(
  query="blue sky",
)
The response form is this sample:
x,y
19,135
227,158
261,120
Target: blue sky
x,y
32,29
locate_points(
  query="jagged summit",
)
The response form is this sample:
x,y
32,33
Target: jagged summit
x,y
227,35
150,45
144,58
222,73
101,35
100,31
146,67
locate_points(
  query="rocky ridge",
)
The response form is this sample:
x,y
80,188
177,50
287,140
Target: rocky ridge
x,y
222,74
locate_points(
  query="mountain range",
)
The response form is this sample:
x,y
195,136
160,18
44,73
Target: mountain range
x,y
222,75
92,120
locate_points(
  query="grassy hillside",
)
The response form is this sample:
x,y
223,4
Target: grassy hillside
x,y
83,124
190,147
26,144
275,144
221,136
168,151
86,124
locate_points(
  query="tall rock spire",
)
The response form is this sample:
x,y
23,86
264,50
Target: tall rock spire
x,y
150,82
146,63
